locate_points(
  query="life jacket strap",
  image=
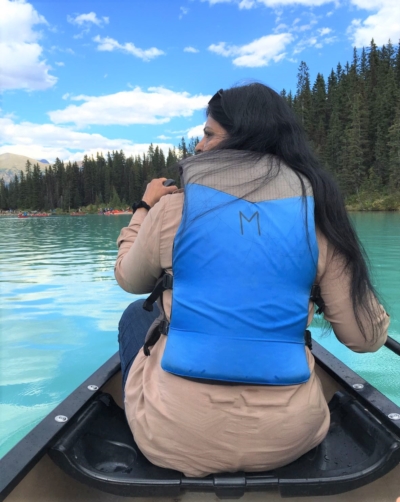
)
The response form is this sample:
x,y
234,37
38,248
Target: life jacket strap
x,y
161,326
308,339
165,282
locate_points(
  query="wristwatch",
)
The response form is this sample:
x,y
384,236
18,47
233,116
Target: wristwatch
x,y
142,203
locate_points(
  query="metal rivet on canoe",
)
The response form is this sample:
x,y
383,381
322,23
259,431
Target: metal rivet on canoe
x,y
358,386
394,416
92,387
61,418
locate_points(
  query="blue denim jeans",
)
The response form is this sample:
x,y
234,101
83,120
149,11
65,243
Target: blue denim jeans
x,y
132,329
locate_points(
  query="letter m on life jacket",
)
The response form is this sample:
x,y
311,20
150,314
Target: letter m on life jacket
x,y
255,215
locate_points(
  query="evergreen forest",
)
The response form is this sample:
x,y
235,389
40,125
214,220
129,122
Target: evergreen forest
x,y
352,119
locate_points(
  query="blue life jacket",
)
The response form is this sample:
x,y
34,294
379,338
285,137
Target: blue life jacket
x,y
243,272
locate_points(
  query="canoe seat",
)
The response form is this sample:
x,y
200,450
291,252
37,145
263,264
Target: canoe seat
x,y
97,448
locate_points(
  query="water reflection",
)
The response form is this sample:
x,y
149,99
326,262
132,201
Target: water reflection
x,y
60,307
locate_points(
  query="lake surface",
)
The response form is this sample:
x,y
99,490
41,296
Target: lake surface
x,y
60,306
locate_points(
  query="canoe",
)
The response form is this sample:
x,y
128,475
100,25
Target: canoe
x,y
34,215
116,212
84,451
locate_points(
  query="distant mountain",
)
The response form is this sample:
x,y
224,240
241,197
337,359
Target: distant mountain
x,y
44,161
11,165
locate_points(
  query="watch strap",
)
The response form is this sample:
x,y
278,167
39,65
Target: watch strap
x,y
140,204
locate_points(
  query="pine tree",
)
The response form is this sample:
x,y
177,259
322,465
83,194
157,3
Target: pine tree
x,y
115,200
3,195
172,157
182,149
334,145
59,171
302,105
37,188
23,194
318,115
394,152
76,191
353,172
29,185
192,146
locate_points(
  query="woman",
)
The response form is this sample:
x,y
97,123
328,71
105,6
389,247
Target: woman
x,y
232,386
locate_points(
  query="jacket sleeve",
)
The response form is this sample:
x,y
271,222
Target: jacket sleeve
x,y
138,263
335,283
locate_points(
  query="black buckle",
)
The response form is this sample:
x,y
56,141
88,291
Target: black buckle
x,y
163,327
168,281
308,339
148,305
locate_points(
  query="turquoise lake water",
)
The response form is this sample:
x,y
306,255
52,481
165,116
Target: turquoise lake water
x,y
60,306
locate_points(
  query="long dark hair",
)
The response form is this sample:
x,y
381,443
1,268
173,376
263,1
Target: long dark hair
x,y
259,120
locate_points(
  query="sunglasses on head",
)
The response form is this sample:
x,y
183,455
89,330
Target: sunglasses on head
x,y
216,96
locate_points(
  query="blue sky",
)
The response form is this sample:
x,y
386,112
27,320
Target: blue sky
x,y
84,77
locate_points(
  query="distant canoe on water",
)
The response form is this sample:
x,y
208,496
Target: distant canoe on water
x,y
116,212
33,215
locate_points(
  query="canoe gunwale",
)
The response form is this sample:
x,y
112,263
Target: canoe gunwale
x,y
376,402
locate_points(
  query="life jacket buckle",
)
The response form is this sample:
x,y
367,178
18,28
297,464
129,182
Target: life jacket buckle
x,y
147,305
167,281
163,327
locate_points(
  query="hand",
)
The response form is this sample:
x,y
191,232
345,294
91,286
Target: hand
x,y
155,190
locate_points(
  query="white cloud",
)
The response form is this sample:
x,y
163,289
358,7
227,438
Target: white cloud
x,y
213,2
163,137
380,26
281,27
324,31
156,106
196,132
258,53
383,23
60,63
56,48
313,41
248,4
87,19
190,49
50,141
20,53
184,11
285,3
109,44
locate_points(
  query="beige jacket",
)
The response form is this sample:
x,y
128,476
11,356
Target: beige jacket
x,y
200,428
